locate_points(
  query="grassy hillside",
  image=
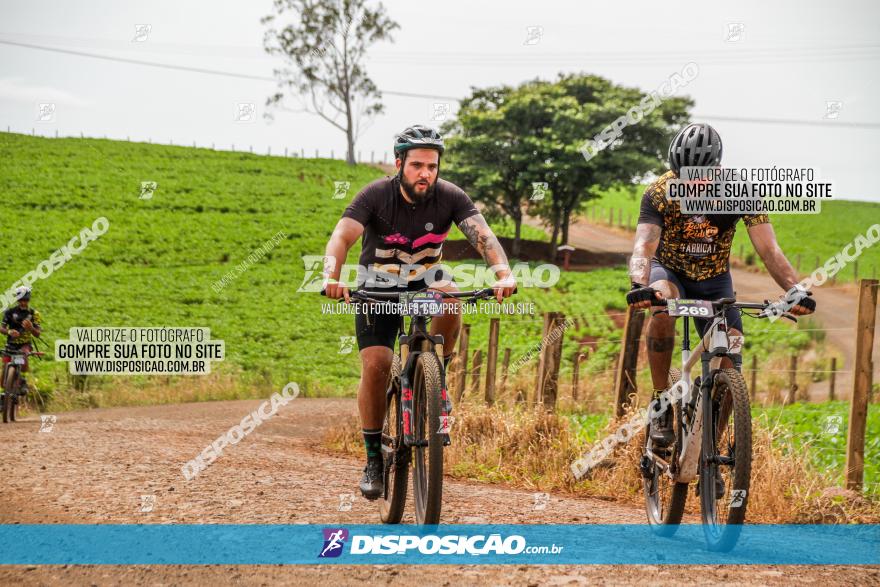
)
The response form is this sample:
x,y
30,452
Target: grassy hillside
x,y
815,237
156,264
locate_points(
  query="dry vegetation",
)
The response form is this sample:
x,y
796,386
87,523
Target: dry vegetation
x,y
530,448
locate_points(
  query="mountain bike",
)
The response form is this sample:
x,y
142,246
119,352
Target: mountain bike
x,y
14,389
417,416
719,455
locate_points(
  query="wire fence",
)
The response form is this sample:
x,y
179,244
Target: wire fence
x,y
371,157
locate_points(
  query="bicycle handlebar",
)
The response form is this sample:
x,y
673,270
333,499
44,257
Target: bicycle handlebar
x,y
9,353
723,303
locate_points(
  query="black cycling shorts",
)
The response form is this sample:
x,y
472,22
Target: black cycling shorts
x,y
720,286
382,329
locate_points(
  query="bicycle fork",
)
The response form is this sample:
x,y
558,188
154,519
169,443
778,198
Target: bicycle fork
x,y
406,398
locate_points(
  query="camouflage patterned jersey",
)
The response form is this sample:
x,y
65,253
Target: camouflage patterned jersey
x,y
695,246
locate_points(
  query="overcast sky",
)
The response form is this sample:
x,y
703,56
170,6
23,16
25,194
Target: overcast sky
x,y
757,60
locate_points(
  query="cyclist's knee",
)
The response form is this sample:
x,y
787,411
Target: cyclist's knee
x,y
376,360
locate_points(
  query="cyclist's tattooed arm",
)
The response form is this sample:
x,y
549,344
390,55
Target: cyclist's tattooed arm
x,y
764,240
647,239
484,240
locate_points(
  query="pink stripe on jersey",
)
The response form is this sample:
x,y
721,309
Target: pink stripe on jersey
x,y
430,238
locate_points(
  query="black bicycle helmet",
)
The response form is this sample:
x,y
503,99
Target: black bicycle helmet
x,y
696,145
418,137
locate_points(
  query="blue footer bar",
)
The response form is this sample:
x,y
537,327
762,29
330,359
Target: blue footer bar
x,y
252,544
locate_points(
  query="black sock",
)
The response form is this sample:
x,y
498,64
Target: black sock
x,y
373,443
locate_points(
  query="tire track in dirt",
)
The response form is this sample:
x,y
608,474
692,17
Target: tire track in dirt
x,y
94,466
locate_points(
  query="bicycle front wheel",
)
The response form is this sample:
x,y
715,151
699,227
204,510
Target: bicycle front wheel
x,y
428,453
395,455
726,464
8,390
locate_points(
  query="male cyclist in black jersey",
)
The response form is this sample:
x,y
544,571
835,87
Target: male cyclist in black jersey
x,y
404,220
20,324
677,255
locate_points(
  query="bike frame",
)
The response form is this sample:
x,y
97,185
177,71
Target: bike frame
x,y
713,347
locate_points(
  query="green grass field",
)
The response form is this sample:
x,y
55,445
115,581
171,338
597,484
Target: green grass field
x,y
156,264
813,238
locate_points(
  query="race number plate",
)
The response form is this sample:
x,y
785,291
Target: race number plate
x,y
694,308
423,303
18,360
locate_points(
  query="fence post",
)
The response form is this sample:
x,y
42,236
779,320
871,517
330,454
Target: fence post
x,y
620,217
797,263
492,361
610,216
478,362
504,364
754,377
463,337
833,377
862,380
285,151
549,322
628,360
792,381
552,353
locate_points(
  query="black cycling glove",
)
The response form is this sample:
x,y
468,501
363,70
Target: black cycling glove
x,y
807,302
640,293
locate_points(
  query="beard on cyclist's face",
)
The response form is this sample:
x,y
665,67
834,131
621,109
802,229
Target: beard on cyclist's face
x,y
420,170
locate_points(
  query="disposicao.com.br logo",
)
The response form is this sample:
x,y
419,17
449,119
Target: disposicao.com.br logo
x,y
431,544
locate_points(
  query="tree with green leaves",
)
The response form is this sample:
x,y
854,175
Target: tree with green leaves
x,y
323,47
506,141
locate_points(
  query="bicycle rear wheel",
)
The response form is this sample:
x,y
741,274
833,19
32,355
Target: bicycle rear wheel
x,y
664,498
395,455
727,455
428,454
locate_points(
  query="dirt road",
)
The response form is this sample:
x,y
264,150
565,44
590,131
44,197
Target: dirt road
x,y
95,466
836,307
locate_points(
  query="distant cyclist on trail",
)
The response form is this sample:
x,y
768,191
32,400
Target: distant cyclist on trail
x,y
21,324
404,220
688,256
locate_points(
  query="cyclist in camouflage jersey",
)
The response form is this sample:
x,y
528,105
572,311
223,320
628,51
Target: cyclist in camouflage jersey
x,y
688,256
